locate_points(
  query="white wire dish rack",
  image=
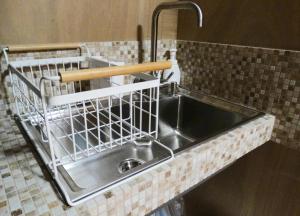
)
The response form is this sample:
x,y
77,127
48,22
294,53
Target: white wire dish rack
x,y
83,133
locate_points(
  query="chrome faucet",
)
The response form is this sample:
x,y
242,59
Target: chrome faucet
x,y
166,6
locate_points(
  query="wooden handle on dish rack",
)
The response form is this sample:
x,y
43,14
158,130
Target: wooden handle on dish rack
x,y
96,73
42,47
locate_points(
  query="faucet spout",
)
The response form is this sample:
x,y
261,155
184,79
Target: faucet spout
x,y
185,5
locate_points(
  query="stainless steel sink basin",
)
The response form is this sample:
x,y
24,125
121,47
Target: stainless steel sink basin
x,y
99,171
110,167
185,120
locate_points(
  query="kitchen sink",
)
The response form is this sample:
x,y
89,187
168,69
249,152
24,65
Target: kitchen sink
x,y
185,121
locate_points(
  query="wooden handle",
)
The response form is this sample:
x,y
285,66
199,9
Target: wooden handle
x,y
42,47
96,73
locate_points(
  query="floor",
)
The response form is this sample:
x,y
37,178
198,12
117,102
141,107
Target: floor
x,y
264,182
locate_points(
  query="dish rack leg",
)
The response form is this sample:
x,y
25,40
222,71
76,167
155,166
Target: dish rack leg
x,y
48,128
14,92
157,113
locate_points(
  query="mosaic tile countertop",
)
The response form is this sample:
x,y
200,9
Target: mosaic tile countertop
x,y
24,189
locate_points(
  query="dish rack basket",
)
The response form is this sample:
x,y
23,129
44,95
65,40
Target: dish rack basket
x,y
54,99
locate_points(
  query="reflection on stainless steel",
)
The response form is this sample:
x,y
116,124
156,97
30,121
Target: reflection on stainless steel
x,y
143,141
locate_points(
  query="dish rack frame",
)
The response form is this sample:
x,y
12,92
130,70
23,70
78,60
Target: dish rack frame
x,y
49,92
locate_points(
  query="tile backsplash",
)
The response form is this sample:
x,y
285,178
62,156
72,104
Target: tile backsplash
x,y
266,79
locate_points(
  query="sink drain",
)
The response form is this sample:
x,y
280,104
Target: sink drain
x,y
129,164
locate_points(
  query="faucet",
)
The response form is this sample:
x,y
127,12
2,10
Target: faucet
x,y
166,6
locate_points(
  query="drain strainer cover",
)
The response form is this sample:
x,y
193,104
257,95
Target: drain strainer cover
x,y
129,164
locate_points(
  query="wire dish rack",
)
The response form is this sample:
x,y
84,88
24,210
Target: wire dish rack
x,y
74,121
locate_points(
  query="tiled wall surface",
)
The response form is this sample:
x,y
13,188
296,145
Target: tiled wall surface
x,y
267,79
